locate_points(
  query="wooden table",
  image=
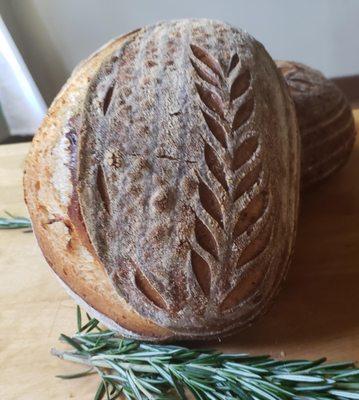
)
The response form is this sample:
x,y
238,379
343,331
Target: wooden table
x,y
316,314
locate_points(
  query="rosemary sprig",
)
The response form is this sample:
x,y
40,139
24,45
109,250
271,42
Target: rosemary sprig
x,y
141,370
12,222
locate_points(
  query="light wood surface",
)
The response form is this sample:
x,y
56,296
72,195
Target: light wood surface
x,y
316,313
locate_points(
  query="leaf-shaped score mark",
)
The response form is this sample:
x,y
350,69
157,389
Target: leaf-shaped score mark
x,y
206,59
201,271
251,214
205,75
244,152
205,238
102,188
211,99
144,286
247,285
255,248
209,202
243,114
107,99
240,85
234,62
216,128
215,166
248,181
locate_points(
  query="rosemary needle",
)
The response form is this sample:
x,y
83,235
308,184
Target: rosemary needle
x,y
139,370
12,222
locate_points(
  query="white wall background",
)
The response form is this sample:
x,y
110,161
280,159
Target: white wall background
x,y
54,35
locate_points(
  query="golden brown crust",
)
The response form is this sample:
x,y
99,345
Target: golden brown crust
x,y
170,209
325,121
48,194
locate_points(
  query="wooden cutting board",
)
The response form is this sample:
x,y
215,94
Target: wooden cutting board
x,y
316,313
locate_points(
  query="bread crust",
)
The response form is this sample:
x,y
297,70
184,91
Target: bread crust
x,y
48,189
325,121
96,148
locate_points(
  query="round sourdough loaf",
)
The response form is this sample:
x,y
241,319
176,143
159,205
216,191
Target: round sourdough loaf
x,y
325,119
163,183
